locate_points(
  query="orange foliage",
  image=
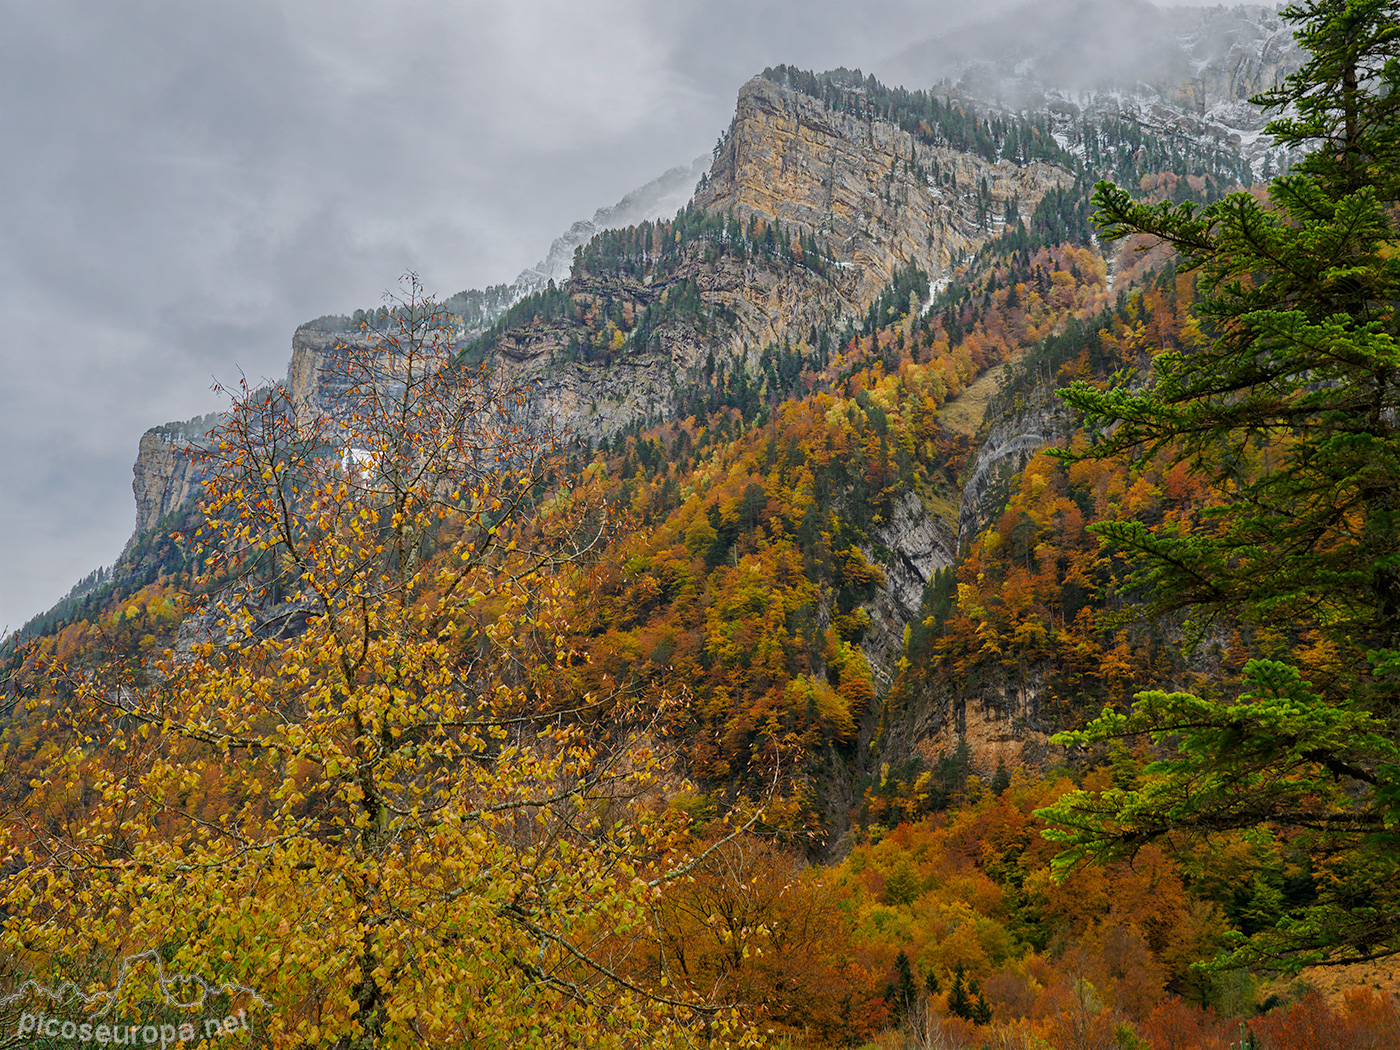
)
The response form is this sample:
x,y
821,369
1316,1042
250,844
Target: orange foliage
x,y
1175,1024
1365,1021
752,924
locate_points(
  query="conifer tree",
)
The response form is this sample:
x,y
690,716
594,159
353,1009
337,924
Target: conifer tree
x,y
903,990
959,1002
1292,411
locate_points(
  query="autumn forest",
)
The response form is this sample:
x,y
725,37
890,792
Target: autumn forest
x,y
1003,657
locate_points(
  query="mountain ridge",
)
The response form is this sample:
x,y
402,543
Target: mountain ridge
x,y
1193,72
825,211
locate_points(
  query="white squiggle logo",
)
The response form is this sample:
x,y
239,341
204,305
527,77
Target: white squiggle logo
x,y
87,1030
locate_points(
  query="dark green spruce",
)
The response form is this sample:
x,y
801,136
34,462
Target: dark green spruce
x,y
1291,409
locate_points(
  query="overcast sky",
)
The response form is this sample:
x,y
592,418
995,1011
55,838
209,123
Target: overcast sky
x,y
182,183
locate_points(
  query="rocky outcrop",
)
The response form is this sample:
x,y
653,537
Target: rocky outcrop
x,y
1002,453
915,544
999,719
1234,53
1001,722
168,468
167,472
317,377
748,306
860,186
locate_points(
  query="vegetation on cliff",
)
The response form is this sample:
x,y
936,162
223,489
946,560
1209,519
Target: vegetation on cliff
x,y
1113,145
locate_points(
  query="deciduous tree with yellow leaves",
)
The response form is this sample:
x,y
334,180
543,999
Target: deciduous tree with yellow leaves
x,y
370,788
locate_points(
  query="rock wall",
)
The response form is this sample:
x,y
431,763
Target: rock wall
x,y
167,471
750,306
919,544
316,381
856,184
1235,53
1002,723
1000,718
1001,452
850,182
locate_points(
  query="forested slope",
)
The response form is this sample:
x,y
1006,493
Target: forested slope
x,y
682,657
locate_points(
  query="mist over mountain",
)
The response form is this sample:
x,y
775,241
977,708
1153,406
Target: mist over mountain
x,y
660,198
1080,46
1195,67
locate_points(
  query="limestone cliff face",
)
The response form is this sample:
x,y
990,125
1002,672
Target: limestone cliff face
x,y
316,378
594,398
1002,722
1002,452
857,185
853,183
1234,53
748,305
999,716
167,472
917,544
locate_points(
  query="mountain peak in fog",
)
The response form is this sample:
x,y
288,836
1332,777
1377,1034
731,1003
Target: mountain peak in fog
x,y
1083,46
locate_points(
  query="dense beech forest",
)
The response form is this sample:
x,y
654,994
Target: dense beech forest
x,y
434,725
